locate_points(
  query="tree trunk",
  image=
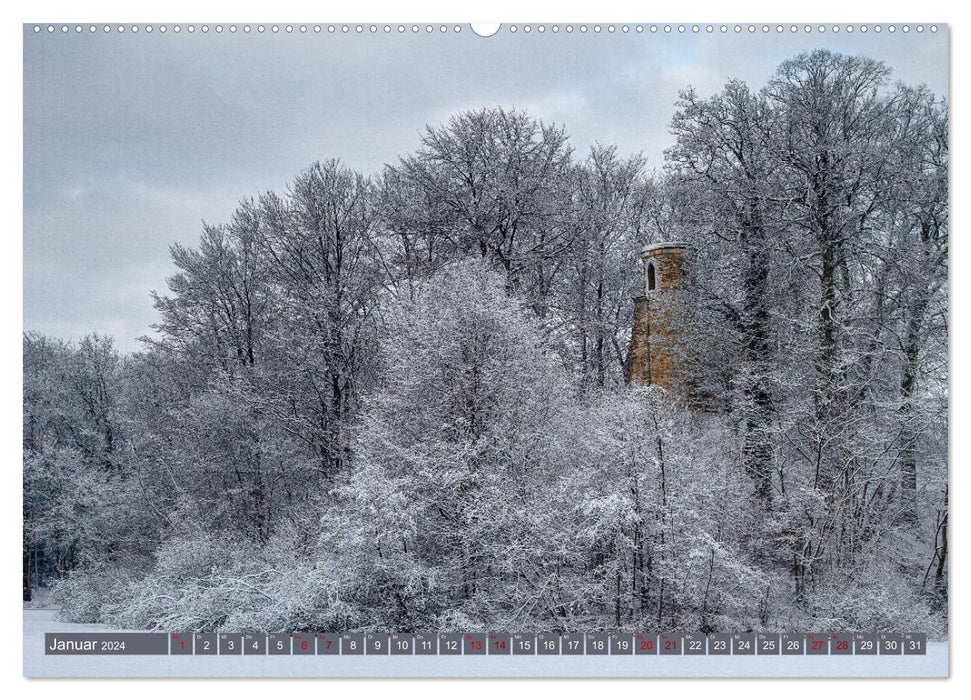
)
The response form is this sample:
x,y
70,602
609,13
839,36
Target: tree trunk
x,y
758,413
28,591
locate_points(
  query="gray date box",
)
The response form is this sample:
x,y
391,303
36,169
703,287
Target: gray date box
x,y
377,644
205,643
891,643
254,644
230,643
302,643
621,644
645,644
817,644
450,644
670,643
865,644
524,644
474,644
597,643
571,644
768,643
279,643
180,643
743,643
841,644
352,644
719,644
793,644
548,644
915,643
328,643
402,644
500,644
694,644
426,644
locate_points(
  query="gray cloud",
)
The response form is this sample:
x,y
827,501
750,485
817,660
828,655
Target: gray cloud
x,y
130,141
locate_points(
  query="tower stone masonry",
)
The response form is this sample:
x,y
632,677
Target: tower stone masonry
x,y
653,357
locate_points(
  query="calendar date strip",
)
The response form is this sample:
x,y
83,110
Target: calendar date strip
x,y
483,644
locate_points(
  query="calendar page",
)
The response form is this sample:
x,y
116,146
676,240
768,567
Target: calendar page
x,y
450,350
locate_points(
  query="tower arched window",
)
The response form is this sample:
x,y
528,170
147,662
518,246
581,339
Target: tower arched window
x,y
651,277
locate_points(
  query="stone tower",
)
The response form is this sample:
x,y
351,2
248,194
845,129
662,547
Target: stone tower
x,y
653,357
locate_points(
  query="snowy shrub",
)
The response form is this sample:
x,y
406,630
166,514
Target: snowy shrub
x,y
90,595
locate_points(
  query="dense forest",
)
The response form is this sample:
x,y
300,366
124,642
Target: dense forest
x,y
398,401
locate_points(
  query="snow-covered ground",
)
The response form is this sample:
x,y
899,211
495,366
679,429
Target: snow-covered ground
x,y
39,621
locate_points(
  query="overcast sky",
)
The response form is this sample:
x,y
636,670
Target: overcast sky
x,y
132,140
